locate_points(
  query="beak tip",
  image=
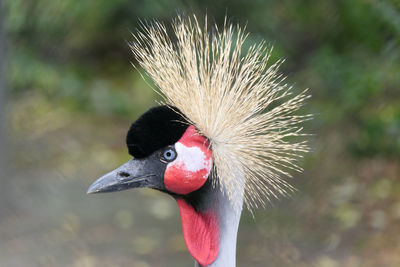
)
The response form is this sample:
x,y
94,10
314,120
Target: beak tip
x,y
92,190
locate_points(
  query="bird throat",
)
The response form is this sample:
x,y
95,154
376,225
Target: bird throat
x,y
201,232
209,225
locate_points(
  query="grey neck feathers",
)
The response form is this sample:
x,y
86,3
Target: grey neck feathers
x,y
229,218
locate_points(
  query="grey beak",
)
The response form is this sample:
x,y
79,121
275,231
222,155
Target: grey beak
x,y
134,173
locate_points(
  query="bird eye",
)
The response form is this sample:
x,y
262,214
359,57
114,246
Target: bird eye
x,y
169,154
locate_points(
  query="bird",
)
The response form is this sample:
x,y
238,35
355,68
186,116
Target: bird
x,y
226,134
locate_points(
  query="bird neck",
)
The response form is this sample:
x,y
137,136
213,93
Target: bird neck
x,y
229,218
210,227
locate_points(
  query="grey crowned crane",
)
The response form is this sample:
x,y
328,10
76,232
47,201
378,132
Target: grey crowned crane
x,y
223,135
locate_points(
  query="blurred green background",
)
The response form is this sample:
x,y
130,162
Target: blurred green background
x,y
72,94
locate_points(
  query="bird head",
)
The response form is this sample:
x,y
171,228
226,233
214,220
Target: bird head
x,y
170,155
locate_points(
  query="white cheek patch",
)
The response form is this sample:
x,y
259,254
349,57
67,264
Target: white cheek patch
x,y
191,159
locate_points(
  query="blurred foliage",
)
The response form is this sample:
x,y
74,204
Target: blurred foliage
x,y
347,52
69,64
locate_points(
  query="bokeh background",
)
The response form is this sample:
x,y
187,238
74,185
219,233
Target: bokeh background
x,y
70,94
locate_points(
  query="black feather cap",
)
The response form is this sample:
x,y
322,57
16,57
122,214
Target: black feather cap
x,y
156,128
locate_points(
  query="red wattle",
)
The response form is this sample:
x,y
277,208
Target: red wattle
x,y
201,233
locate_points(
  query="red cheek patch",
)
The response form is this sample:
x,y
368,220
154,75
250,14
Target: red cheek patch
x,y
190,170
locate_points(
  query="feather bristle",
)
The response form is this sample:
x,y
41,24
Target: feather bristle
x,y
235,99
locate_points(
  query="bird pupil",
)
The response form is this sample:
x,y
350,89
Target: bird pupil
x,y
169,154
